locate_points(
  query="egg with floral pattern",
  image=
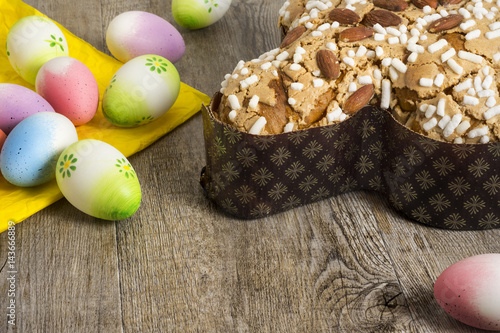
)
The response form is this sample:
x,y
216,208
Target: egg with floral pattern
x,y
141,91
136,33
197,14
31,42
97,178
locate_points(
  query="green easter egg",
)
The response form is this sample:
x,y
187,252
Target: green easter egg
x,y
142,90
197,14
98,179
31,42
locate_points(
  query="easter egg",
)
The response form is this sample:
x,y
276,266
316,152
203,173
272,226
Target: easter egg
x,y
142,90
97,179
70,87
469,291
3,136
17,103
31,42
197,14
135,33
30,152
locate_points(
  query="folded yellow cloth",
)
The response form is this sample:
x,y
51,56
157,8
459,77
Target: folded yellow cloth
x,y
16,203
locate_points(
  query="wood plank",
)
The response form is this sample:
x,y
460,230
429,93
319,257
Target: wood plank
x,y
9,278
82,18
419,254
68,274
366,287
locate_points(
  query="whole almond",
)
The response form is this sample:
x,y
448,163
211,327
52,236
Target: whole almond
x,y
358,99
383,17
292,36
344,16
422,3
449,2
445,23
328,64
355,33
392,5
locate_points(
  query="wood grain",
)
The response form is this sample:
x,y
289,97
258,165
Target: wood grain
x,y
346,264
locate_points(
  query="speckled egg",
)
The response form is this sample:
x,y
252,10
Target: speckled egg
x,y
31,150
135,33
97,179
469,291
70,87
197,14
142,90
31,42
17,103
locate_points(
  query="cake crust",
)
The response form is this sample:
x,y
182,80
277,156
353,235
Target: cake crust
x,y
434,67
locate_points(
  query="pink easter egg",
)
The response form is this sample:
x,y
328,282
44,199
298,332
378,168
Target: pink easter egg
x,y
469,291
70,87
3,136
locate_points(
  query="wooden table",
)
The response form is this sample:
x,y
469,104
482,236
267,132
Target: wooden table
x,y
346,264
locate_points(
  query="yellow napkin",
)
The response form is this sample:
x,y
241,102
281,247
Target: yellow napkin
x,y
16,203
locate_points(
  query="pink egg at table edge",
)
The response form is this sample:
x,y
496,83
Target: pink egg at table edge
x,y
469,291
70,87
3,136
135,33
17,103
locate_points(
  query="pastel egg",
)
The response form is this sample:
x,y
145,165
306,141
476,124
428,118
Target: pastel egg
x,y
31,42
97,179
3,136
469,291
135,33
197,14
17,103
30,152
70,87
142,90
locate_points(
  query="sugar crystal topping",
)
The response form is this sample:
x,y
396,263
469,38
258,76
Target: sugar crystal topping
x,y
452,72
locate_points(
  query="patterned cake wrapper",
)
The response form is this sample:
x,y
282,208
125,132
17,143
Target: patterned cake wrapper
x,y
439,184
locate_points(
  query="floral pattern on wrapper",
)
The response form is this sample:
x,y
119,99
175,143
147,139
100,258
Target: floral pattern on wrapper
x,y
444,185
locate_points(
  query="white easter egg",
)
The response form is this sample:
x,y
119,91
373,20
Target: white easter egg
x,y
469,291
142,90
31,42
197,14
97,178
30,151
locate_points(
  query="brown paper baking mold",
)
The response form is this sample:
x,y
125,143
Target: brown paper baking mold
x,y
439,184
